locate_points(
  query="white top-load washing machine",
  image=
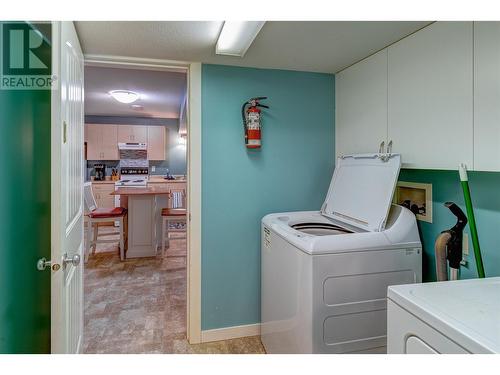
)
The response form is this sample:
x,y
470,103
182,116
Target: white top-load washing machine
x,y
325,273
449,317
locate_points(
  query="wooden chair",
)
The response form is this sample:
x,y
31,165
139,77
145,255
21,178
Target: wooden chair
x,y
96,215
175,213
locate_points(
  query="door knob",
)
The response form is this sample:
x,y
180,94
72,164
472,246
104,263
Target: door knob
x,y
75,260
43,263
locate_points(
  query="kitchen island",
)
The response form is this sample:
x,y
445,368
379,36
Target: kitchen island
x,y
144,206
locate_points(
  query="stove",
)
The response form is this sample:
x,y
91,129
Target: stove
x,y
133,177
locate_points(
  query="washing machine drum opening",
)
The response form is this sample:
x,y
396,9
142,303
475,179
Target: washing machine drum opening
x,y
320,229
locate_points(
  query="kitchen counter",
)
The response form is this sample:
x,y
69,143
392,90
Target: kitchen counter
x,y
102,182
156,179
152,179
149,190
144,206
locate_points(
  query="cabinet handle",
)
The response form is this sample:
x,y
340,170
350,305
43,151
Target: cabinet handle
x,y
381,148
389,147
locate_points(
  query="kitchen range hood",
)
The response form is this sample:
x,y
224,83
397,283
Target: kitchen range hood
x,y
132,146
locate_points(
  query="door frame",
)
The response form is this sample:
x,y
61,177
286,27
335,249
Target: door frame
x,y
193,154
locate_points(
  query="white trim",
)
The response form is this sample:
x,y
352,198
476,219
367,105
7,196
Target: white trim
x,y
193,70
228,333
136,63
57,340
194,204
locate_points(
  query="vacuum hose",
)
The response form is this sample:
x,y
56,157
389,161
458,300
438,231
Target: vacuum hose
x,y
440,253
448,246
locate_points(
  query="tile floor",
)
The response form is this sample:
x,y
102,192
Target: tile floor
x,y
139,306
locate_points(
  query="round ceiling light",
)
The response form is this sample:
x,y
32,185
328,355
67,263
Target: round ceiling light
x,y
124,96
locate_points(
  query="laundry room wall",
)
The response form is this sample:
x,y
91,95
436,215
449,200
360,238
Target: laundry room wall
x,y
446,187
291,172
25,200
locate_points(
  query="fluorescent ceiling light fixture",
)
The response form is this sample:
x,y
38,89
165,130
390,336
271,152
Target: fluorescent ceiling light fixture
x,y
124,96
236,36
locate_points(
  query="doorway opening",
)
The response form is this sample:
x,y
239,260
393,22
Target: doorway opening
x,y
135,300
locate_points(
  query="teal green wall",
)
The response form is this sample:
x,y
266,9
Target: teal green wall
x,y
485,191
291,172
24,221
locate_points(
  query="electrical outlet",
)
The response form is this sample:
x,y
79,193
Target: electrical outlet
x,y
153,168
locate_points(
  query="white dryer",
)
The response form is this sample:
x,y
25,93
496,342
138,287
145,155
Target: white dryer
x,y
325,273
448,317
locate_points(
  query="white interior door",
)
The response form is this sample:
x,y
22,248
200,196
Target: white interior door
x,y
67,191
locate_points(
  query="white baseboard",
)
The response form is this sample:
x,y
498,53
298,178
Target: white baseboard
x,y
228,333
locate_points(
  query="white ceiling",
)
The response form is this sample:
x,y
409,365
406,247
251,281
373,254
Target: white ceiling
x,y
296,45
161,92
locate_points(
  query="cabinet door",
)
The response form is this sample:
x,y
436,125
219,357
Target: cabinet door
x,y
102,195
156,142
93,132
430,96
109,142
139,134
132,133
125,133
361,106
487,96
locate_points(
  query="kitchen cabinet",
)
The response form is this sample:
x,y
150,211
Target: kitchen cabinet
x,y
132,134
487,96
430,103
102,194
361,106
102,142
156,142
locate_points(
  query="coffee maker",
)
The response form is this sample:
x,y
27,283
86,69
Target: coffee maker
x,y
100,172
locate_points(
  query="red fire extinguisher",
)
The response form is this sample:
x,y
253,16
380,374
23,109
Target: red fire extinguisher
x,y
252,122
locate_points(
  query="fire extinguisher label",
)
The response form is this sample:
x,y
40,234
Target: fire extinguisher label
x,y
254,142
253,120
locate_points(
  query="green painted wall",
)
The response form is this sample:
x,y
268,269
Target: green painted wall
x,y
485,191
291,172
24,220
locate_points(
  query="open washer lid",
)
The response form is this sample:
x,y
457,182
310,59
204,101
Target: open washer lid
x,y
361,190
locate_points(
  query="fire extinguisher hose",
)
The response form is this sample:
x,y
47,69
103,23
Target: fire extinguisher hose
x,y
245,128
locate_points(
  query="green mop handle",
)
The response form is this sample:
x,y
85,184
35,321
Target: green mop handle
x,y
464,181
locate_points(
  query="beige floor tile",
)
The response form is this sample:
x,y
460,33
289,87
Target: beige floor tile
x,y
139,305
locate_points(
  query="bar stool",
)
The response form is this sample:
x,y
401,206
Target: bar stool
x,y
97,215
171,215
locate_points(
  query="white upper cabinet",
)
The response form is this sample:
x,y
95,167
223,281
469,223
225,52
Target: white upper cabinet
x,y
487,96
430,114
361,106
101,142
132,133
156,143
